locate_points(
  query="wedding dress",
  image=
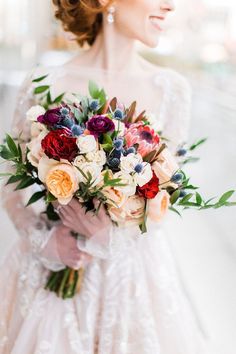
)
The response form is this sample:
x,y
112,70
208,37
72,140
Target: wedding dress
x,y
131,301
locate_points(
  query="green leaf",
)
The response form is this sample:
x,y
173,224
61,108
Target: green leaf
x,y
107,139
12,145
198,143
5,153
51,214
198,198
175,210
41,78
226,196
186,198
41,89
14,179
175,196
49,98
191,159
35,197
50,198
26,182
59,98
93,89
107,147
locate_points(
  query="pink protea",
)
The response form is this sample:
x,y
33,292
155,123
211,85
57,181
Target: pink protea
x,y
144,135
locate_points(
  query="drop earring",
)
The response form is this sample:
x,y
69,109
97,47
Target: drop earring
x,y
110,16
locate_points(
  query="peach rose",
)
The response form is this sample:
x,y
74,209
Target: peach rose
x,y
158,206
130,213
115,197
165,167
60,178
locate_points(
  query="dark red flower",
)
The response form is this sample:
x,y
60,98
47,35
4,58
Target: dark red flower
x,y
58,144
150,189
51,117
100,124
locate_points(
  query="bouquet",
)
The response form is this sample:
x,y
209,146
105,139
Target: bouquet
x,y
90,147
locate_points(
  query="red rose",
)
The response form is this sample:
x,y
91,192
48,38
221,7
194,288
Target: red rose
x,y
150,189
58,144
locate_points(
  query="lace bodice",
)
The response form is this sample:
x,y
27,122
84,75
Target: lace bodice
x,y
165,95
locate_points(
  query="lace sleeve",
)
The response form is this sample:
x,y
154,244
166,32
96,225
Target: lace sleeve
x,y
177,109
30,223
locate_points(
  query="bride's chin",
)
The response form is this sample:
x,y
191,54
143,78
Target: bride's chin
x,y
152,42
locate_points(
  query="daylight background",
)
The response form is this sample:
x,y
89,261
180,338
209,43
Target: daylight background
x,y
201,44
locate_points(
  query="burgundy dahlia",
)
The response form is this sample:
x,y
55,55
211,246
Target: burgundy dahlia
x,y
100,124
51,117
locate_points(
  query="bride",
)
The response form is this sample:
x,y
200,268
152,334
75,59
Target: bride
x,y
131,300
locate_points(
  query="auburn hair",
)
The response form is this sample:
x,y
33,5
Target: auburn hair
x,y
83,18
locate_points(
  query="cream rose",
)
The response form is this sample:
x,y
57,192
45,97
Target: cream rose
x,y
79,160
128,163
158,206
36,151
130,186
37,128
144,176
86,143
34,112
98,157
90,168
61,179
130,213
165,167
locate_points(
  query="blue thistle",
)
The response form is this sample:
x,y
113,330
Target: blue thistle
x,y
94,105
181,152
118,143
116,153
113,162
64,111
138,168
67,122
177,178
118,114
131,150
76,130
183,193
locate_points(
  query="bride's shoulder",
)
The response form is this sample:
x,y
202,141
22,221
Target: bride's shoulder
x,y
168,77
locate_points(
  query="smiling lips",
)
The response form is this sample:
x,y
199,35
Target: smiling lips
x,y
155,20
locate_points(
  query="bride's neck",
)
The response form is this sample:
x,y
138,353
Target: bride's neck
x,y
112,50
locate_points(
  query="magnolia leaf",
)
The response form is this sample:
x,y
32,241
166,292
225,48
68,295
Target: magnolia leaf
x,y
113,104
149,157
140,117
131,111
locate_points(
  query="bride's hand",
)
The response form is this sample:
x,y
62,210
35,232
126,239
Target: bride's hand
x,y
63,247
87,224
